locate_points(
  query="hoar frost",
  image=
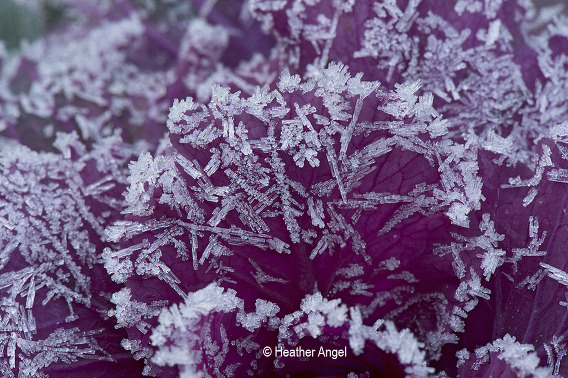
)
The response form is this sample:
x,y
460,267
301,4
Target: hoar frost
x,y
216,177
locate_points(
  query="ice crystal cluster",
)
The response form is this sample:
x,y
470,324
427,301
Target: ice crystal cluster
x,y
188,187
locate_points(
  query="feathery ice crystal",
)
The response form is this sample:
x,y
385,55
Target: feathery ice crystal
x,y
382,182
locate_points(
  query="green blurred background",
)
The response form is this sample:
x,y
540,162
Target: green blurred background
x,y
18,23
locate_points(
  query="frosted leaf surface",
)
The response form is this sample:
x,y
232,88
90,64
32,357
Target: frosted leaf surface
x,y
54,209
268,162
187,331
507,355
390,179
273,177
108,73
186,337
